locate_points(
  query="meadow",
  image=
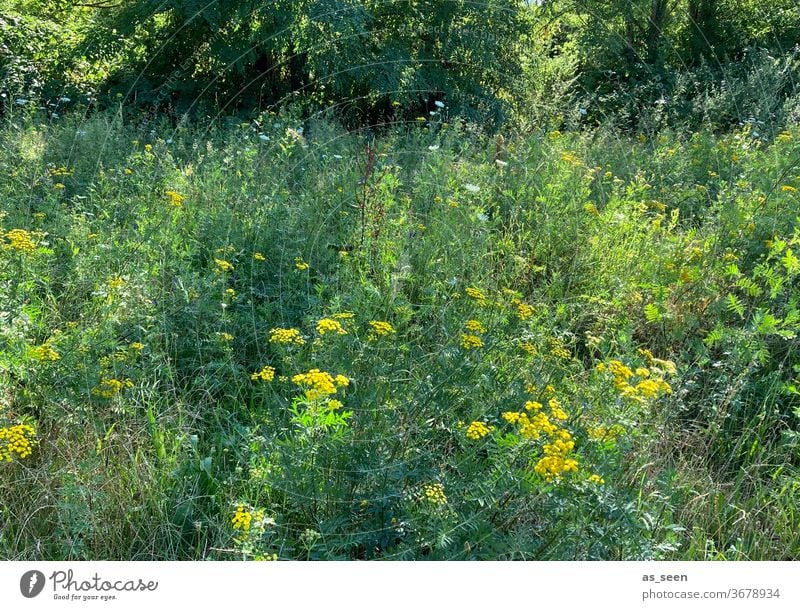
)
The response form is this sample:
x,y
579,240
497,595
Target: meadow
x,y
278,338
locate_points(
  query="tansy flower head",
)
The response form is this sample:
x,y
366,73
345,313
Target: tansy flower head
x,y
286,335
477,430
328,325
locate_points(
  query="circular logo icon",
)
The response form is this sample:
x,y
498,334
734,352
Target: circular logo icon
x,y
31,583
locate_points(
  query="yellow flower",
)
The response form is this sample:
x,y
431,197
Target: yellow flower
x,y
108,388
136,346
380,329
45,353
471,342
477,430
477,294
434,493
334,404
19,240
524,311
327,325
300,264
175,198
227,337
265,374
786,188
223,265
596,479
286,335
230,292
475,326
16,441
259,257
241,518
319,383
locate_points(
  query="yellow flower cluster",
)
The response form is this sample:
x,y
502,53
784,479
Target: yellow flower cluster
x,y
596,479
136,346
115,283
259,257
524,311
19,240
16,441
648,383
320,383
328,325
533,423
475,326
556,461
175,198
44,353
108,388
380,329
243,518
300,264
60,172
478,295
434,493
558,349
529,348
477,430
265,374
344,315
223,265
471,341
286,335
601,433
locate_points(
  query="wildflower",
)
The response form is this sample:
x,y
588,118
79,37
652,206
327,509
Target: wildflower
x,y
45,353
472,188
227,337
478,295
380,329
334,404
19,240
319,383
265,374
108,388
786,188
16,441
434,493
327,325
136,346
223,265
524,311
532,405
477,430
511,417
642,372
241,518
259,257
529,348
596,479
175,198
345,315
286,336
471,342
475,326
230,292
300,264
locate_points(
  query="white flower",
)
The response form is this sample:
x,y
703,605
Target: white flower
x,y
433,147
472,188
439,104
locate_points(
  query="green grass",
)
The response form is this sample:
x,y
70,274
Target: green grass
x,y
675,249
